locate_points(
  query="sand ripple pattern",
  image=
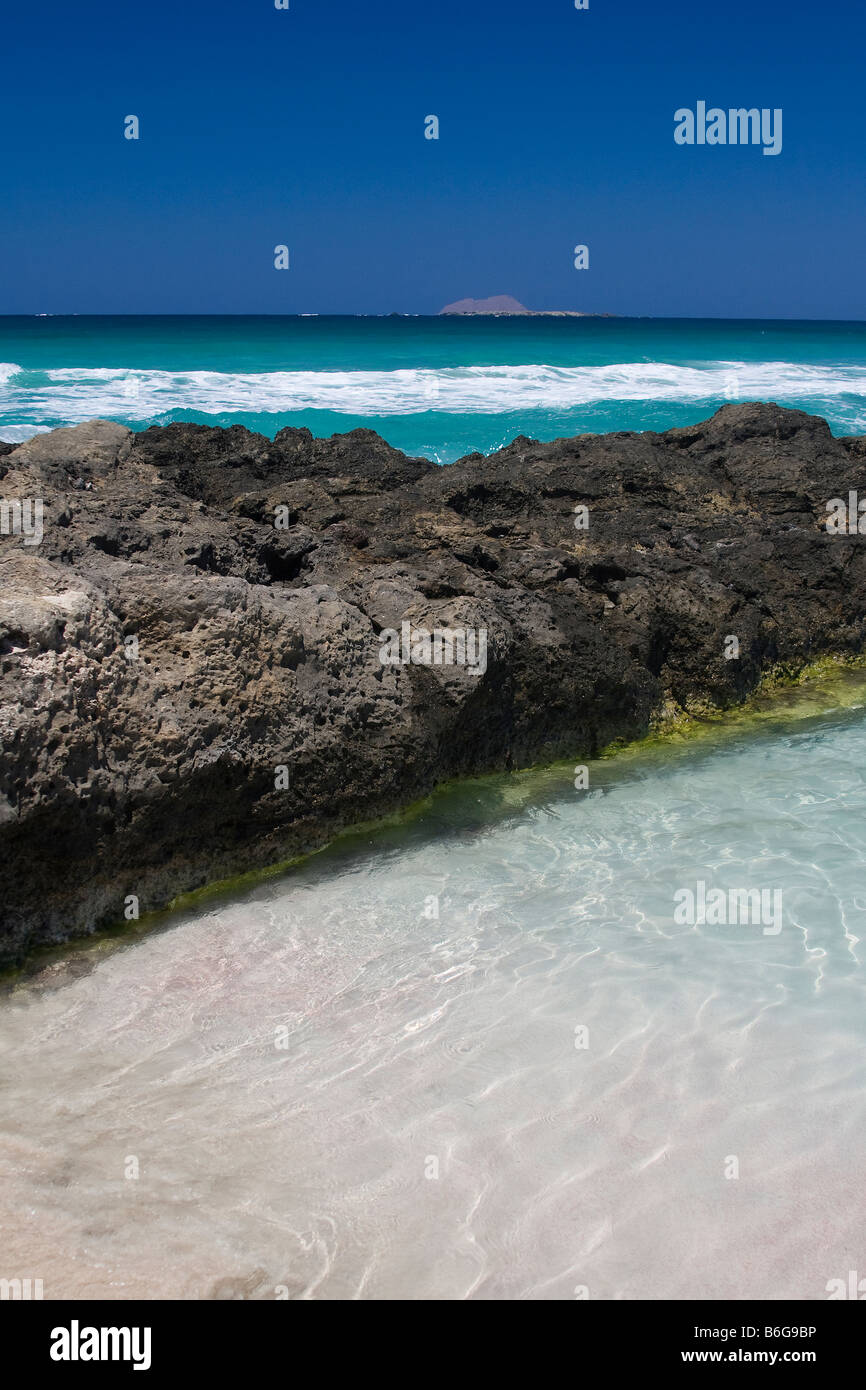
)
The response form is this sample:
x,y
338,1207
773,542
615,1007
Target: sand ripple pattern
x,y
330,1094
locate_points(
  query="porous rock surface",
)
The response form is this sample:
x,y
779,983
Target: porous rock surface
x,y
258,645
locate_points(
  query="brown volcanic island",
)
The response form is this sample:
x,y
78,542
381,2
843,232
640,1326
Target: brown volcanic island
x,y
258,647
504,304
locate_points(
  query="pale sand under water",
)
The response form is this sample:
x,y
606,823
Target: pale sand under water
x,y
412,1039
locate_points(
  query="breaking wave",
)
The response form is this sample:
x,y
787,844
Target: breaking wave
x,y
80,393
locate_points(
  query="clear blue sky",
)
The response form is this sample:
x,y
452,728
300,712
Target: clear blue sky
x,y
306,127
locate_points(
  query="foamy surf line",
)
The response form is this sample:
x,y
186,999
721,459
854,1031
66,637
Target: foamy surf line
x,y
74,394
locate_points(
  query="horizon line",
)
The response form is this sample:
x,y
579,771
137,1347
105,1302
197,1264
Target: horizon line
x,y
569,315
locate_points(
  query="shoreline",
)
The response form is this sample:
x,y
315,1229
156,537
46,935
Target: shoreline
x,y
771,703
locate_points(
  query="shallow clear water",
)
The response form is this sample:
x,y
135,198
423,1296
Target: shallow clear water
x,y
417,1046
438,387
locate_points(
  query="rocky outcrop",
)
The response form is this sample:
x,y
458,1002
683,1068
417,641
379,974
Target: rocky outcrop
x,y
190,689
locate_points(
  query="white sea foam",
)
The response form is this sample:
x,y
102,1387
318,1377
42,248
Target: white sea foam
x,y
17,434
75,394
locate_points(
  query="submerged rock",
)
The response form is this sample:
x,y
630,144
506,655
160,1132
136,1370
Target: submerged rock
x,y
191,655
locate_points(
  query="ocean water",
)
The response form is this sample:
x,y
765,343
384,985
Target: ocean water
x,y
370,1078
439,387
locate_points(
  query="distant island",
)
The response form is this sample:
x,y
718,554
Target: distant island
x,y
506,304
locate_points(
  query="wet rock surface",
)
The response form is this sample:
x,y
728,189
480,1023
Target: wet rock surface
x,y
206,606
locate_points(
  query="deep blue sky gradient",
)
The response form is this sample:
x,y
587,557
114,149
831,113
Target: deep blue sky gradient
x,y
261,126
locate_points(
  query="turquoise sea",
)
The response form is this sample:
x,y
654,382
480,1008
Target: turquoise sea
x,y
441,387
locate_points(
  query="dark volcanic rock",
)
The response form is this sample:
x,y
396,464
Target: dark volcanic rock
x,y
152,769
